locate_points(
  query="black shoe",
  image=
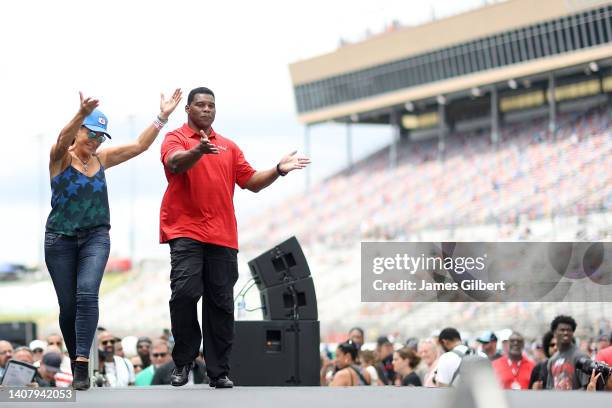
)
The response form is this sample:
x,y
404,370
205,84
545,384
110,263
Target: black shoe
x,y
180,375
80,380
221,382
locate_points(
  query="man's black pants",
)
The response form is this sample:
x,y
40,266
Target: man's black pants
x,y
208,271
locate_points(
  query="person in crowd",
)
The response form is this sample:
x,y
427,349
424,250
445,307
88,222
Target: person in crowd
x,y
384,354
39,347
405,361
592,385
347,372
56,340
143,348
356,334
488,342
562,372
539,374
160,355
605,355
514,369
449,362
367,359
137,364
429,353
118,371
119,348
25,355
537,352
51,373
603,341
6,352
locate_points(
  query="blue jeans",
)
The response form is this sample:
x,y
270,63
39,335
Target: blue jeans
x,y
76,265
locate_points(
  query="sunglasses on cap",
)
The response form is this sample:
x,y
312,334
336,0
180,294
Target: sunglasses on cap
x,y
99,136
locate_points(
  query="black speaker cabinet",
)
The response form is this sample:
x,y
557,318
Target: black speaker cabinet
x,y
285,262
278,302
18,333
276,353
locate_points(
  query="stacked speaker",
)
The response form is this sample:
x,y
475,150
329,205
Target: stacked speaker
x,y
283,349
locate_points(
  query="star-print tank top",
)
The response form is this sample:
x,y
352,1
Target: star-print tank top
x,y
78,202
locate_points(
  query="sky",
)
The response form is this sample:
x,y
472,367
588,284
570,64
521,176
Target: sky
x,y
126,52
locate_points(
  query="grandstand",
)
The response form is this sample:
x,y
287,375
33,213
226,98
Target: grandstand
x,y
501,132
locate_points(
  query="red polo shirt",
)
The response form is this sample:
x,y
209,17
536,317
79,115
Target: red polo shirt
x,y
605,355
199,203
511,374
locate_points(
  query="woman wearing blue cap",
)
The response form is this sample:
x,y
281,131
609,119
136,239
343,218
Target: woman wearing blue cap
x,y
77,242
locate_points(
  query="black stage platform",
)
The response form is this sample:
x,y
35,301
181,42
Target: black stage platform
x,y
315,397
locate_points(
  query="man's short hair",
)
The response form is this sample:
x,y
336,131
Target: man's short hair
x,y
23,348
200,90
450,334
359,329
382,340
562,319
160,342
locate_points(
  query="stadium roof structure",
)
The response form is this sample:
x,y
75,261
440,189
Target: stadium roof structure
x,y
487,48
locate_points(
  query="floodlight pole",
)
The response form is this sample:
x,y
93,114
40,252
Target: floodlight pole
x,y
494,116
396,129
441,129
552,105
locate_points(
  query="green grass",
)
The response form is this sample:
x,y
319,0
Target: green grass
x,y
112,280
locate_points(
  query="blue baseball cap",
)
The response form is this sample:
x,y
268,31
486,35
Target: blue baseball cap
x,y
487,337
97,121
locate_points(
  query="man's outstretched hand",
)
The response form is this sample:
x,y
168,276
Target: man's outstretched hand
x,y
293,162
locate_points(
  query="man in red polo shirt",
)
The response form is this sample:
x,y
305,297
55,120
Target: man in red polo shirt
x,y
605,355
197,220
513,370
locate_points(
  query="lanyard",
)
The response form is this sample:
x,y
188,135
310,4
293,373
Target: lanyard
x,y
514,370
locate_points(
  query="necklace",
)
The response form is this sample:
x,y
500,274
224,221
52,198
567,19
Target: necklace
x,y
85,164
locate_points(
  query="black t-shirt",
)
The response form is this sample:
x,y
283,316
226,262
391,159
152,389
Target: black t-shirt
x,y
539,373
562,373
412,379
385,370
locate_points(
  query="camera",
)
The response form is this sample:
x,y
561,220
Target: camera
x,y
587,366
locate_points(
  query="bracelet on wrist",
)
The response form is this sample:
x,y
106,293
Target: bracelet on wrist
x,y
159,122
278,170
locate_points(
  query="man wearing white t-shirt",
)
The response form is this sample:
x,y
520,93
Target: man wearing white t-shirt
x,y
448,363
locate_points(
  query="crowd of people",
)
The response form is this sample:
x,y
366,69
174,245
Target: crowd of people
x,y
558,362
148,363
